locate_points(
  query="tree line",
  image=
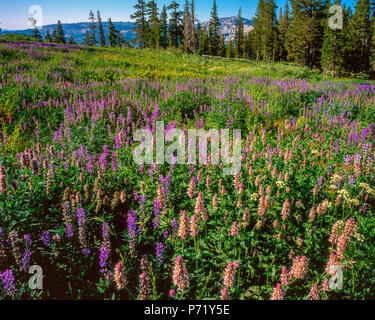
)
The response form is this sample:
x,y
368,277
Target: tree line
x,y
113,39
298,33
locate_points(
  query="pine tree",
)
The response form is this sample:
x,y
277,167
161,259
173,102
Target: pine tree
x,y
189,43
88,38
112,34
283,27
36,34
249,47
239,36
141,26
222,48
193,23
101,31
71,41
186,15
214,31
163,27
54,36
59,36
258,28
265,30
229,52
48,38
153,22
359,38
305,35
332,60
175,24
92,39
203,40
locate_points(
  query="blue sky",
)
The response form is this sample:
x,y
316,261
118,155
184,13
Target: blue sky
x,y
14,13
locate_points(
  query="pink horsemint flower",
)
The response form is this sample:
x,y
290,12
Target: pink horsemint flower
x,y
144,286
299,267
229,274
325,285
172,293
119,276
184,225
234,230
194,224
180,275
333,261
314,292
225,294
285,210
278,292
285,277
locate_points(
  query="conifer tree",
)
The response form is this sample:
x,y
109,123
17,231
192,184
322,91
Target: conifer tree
x,y
332,60
229,52
71,40
305,35
189,43
239,36
222,48
282,28
36,34
192,9
48,38
112,35
163,20
59,36
153,22
174,24
214,31
359,37
186,15
140,25
101,31
91,41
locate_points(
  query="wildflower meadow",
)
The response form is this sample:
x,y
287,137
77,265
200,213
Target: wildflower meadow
x,y
296,221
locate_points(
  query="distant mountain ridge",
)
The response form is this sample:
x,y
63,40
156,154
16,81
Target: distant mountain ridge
x,y
78,29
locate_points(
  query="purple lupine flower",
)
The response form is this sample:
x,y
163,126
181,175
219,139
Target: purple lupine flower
x,y
114,161
365,148
174,225
166,234
132,228
81,216
27,253
7,278
103,158
46,238
351,179
104,249
67,220
347,160
159,253
142,201
90,167
117,141
156,221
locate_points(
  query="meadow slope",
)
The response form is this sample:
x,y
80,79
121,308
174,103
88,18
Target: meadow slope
x,y
73,201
